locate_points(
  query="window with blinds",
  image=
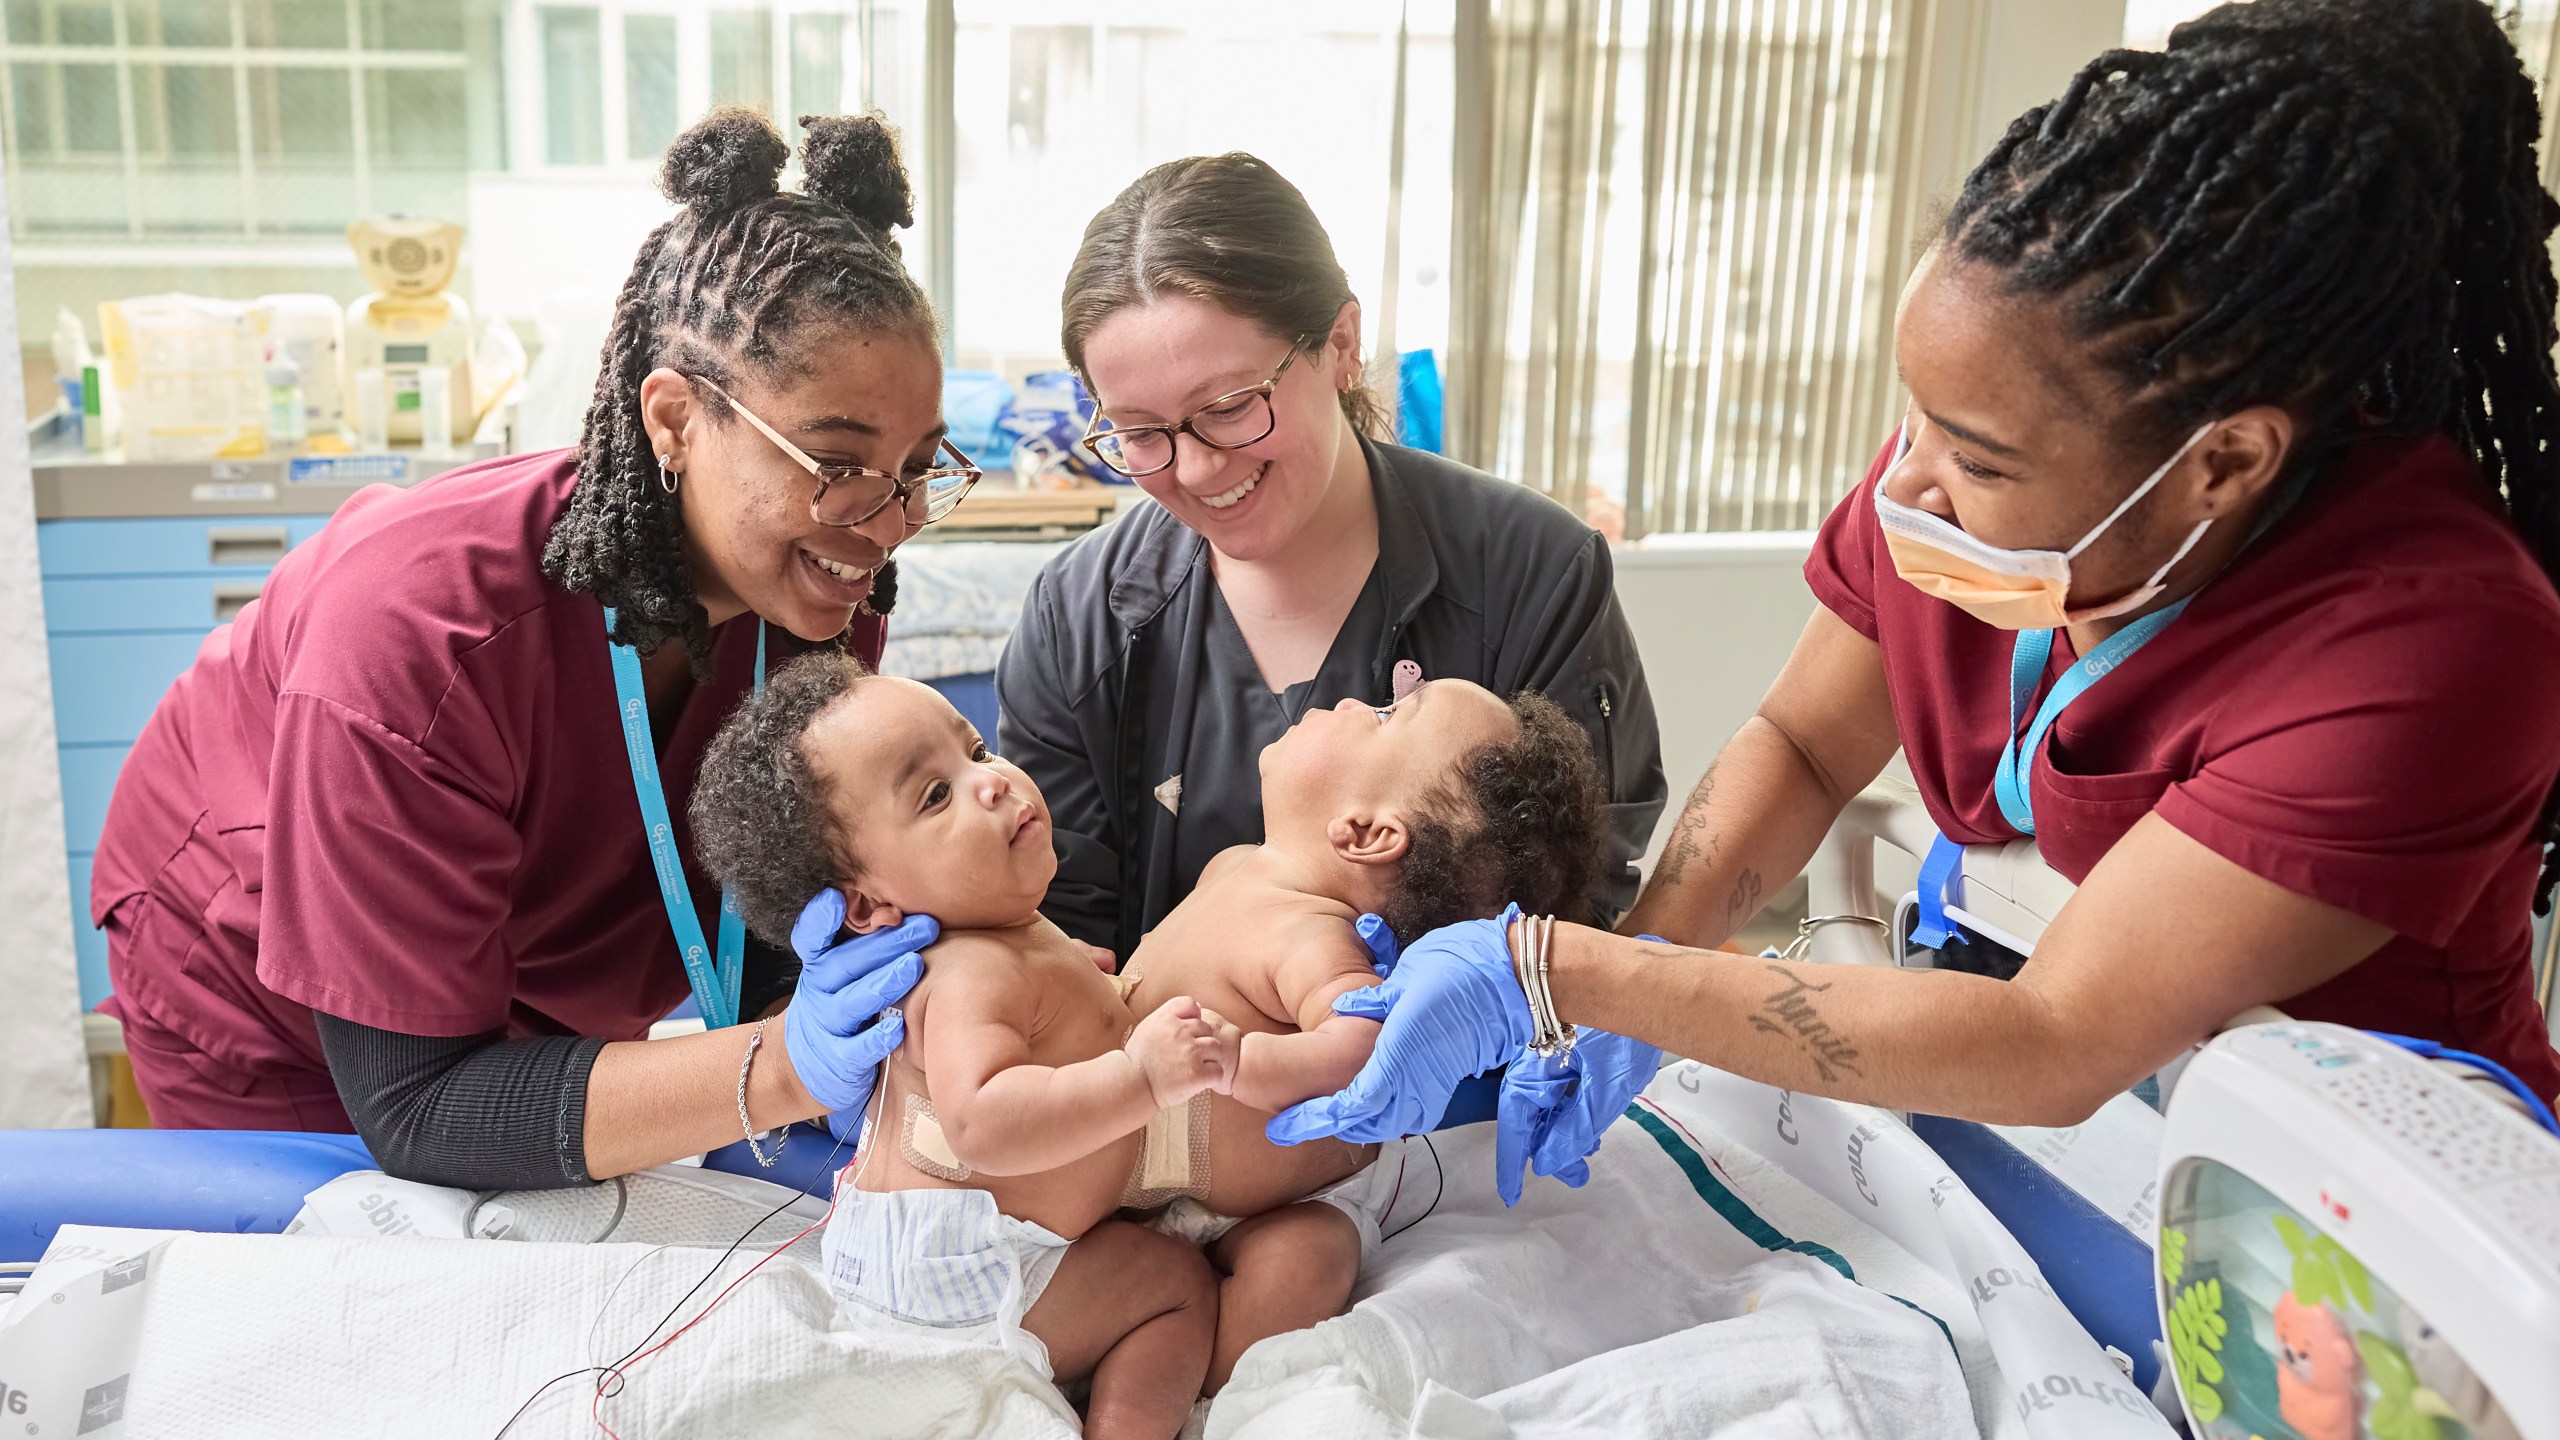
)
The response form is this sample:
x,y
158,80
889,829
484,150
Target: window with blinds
x,y
1682,228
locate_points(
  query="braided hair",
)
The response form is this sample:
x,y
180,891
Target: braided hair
x,y
2332,205
740,280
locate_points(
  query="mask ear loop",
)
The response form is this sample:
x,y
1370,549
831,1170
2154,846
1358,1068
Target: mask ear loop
x,y
2177,555
2136,497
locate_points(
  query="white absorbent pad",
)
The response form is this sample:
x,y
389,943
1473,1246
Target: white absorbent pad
x,y
376,1317
137,1335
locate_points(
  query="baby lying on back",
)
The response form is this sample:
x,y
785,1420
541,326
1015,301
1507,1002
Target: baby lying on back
x,y
1438,808
1034,1096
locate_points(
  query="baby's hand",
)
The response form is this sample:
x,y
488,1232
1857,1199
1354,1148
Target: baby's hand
x,y
1182,1049
1230,1042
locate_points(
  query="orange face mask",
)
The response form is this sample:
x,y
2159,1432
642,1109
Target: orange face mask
x,y
2010,589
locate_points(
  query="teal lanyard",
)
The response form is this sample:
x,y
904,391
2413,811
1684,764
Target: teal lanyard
x,y
715,978
2033,650
2027,659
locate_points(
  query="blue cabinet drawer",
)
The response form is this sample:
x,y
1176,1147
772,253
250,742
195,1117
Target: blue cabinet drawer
x,y
106,686
96,604
89,943
88,779
165,547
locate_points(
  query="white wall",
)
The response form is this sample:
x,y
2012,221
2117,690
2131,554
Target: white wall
x,y
2031,50
554,250
1715,616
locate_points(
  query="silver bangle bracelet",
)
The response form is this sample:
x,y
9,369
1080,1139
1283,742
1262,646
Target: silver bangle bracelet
x,y
1559,1034
1523,938
747,1062
1549,1036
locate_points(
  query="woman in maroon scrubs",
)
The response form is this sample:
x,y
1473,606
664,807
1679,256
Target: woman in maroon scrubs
x,y
2215,551
380,856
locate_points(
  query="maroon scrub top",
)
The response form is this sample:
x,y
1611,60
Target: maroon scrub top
x,y
2360,709
395,790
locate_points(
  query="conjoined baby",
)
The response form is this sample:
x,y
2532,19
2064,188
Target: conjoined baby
x,y
1071,1162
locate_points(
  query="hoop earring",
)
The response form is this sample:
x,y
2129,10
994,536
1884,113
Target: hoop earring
x,y
668,479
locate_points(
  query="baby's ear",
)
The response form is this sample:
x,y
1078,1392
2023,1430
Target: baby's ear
x,y
863,914
1380,839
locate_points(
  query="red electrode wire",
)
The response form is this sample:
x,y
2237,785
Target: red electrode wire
x,y
619,1370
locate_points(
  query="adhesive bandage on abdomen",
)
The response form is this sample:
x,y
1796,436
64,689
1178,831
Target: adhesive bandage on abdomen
x,y
922,1143
1173,1157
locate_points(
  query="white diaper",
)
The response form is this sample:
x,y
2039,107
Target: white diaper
x,y
1366,1197
947,1259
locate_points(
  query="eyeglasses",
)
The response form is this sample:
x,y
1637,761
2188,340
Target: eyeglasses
x,y
1230,422
848,495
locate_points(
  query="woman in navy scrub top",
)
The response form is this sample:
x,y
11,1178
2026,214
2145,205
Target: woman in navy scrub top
x,y
2257,333
380,856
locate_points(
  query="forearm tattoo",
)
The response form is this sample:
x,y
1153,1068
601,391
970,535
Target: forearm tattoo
x,y
1688,844
1792,1013
1745,900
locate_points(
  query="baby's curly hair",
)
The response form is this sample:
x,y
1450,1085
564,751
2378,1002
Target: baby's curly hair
x,y
762,826
1522,821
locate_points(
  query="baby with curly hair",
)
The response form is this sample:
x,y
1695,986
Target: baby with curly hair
x,y
1035,1096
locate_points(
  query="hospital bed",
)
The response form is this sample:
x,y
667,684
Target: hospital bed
x,y
254,1182
2080,1203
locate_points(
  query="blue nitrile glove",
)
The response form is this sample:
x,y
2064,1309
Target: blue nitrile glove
x,y
1534,1091
835,1046
1452,1008
1562,1124
1380,937
1614,1069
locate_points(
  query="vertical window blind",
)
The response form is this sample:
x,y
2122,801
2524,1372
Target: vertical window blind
x,y
1681,227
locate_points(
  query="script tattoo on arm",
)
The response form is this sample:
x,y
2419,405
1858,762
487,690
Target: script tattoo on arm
x,y
1745,901
1688,845
1791,1012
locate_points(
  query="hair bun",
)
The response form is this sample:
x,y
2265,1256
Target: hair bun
x,y
851,162
730,158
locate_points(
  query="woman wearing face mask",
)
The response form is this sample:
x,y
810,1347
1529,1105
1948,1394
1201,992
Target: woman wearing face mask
x,y
1296,559
391,852
2214,552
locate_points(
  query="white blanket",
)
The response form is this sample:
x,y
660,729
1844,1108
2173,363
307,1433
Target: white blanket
x,y
1656,1301
1693,1287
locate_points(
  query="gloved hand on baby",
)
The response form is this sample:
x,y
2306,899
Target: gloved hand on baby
x,y
833,1030
1451,1007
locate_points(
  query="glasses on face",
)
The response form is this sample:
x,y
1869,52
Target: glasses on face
x,y
1230,422
848,495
